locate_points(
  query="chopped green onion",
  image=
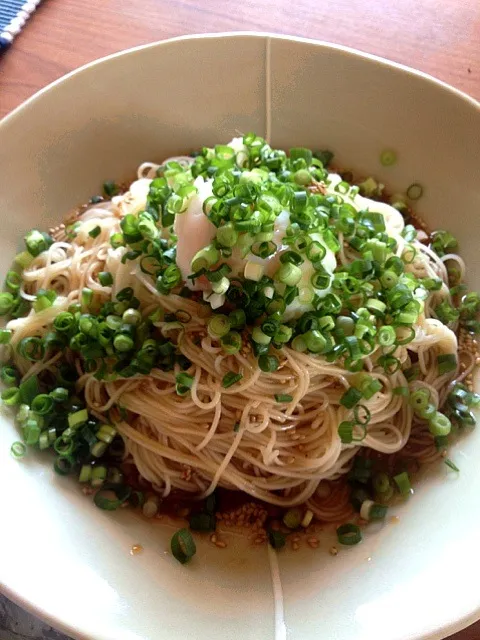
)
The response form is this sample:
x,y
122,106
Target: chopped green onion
x,y
31,432
289,274
367,385
222,286
402,481
110,188
231,342
23,259
205,258
13,281
381,482
9,375
227,235
23,413
103,498
106,433
361,414
117,240
218,325
63,465
11,396
370,510
389,279
64,322
419,399
415,191
63,446
95,232
276,539
123,343
77,418
446,363
85,473
260,337
388,158
351,397
441,442
349,534
314,341
18,450
5,335
6,303
268,363
105,278
87,295
184,382
183,546
283,397
29,388
42,404
37,242
237,319
386,336
293,518
345,431
202,522
131,316
299,344
451,465
98,476
43,441
401,391
230,379
427,412
439,424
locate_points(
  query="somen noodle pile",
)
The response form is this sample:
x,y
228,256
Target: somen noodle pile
x,y
243,319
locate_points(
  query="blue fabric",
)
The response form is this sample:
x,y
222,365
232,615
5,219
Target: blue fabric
x,y
12,10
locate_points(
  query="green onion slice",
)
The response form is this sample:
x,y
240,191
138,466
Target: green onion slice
x,y
18,450
183,546
415,191
276,539
349,534
402,480
230,379
451,465
388,158
103,498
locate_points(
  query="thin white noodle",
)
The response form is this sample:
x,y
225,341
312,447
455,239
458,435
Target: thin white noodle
x,y
238,437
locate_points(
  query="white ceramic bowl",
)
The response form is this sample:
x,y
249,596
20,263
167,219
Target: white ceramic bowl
x,y
70,562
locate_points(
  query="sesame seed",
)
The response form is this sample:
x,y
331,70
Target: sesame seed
x,y
333,551
136,549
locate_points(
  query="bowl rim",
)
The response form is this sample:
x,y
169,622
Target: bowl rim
x,y
465,97
16,597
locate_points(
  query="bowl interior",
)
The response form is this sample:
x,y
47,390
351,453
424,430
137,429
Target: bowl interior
x,y
70,561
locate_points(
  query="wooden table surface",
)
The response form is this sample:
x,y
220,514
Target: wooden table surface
x,y
441,37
